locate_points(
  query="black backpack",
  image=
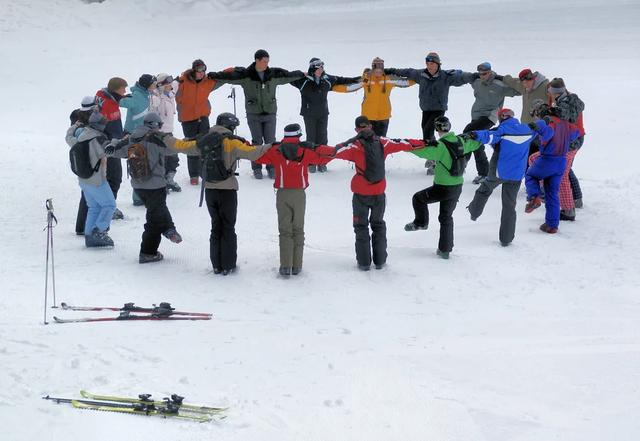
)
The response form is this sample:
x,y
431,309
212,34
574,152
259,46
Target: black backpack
x,y
212,158
80,160
374,159
458,158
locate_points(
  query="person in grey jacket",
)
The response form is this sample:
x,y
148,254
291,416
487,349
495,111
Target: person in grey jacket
x,y
434,86
152,187
96,190
222,196
489,92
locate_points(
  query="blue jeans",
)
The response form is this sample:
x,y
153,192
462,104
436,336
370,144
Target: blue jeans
x,y
548,169
101,205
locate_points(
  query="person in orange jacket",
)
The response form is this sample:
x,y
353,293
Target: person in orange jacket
x,y
194,108
376,104
290,159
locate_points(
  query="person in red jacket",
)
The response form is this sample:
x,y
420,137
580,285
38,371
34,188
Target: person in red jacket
x,y
290,159
368,152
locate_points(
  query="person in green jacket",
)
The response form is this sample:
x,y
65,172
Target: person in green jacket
x,y
447,182
259,83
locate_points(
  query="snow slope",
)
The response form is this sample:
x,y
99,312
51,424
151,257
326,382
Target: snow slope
x,y
538,341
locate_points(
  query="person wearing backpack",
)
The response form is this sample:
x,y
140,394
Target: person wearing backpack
x,y
220,151
450,153
137,105
291,159
88,162
368,152
259,83
510,142
314,88
163,102
145,150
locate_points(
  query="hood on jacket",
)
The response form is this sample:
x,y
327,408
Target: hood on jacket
x,y
140,132
89,133
539,80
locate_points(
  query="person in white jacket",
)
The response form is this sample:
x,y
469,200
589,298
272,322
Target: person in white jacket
x,y
163,102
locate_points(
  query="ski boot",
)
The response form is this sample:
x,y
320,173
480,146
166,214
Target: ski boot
x,y
442,254
98,239
173,235
412,226
172,184
257,173
312,168
285,271
149,258
547,229
117,215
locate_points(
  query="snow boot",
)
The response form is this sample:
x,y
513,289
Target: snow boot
x,y
137,202
532,204
257,173
312,168
547,229
173,235
285,271
148,258
322,168
379,266
217,270
117,215
568,215
295,271
478,179
272,173
98,239
578,203
226,272
443,254
412,226
364,267
172,184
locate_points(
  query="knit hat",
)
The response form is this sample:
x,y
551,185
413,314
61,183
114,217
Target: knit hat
x,y
164,79
433,57
484,67
260,53
292,130
557,87
377,63
146,80
198,65
526,74
116,83
505,113
362,122
87,104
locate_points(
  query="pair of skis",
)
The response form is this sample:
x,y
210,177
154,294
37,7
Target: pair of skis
x,y
172,407
129,311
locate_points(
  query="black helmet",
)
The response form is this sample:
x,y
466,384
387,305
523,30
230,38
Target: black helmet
x,y
152,120
228,120
442,124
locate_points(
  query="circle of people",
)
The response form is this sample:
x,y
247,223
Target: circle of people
x,y
539,147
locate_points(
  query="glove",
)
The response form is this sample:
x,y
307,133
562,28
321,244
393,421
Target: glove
x,y
469,135
211,75
533,126
476,76
115,145
110,149
431,143
308,145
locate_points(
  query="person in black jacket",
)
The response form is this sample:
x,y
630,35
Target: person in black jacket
x,y
314,88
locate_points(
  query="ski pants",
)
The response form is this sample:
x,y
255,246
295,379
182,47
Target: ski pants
x,y
223,241
316,130
428,123
509,197
369,210
380,127
158,218
263,131
114,178
573,179
101,205
191,130
548,169
291,204
448,196
482,163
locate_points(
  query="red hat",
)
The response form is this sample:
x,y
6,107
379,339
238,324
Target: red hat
x,y
505,113
526,74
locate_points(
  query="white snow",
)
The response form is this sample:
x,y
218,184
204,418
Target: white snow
x,y
538,341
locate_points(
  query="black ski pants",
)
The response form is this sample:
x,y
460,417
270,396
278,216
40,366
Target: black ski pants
x,y
191,130
158,218
380,127
316,129
428,119
509,197
448,196
482,163
223,242
369,210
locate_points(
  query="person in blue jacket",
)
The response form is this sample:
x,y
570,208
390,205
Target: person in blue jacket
x,y
137,105
510,142
555,137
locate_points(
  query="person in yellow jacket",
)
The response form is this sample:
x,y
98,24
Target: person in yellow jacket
x,y
377,86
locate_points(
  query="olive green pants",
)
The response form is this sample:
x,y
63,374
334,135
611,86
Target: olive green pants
x,y
291,204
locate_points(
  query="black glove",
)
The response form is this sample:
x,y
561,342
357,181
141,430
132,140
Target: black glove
x,y
469,135
555,111
157,138
115,145
212,75
431,143
476,76
533,126
308,145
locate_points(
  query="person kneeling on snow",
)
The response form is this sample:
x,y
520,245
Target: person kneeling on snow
x,y
510,142
450,153
368,152
291,160
145,151
555,137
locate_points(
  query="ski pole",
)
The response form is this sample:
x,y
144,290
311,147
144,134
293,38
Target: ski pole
x,y
50,219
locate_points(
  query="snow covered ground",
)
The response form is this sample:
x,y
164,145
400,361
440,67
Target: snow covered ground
x,y
538,341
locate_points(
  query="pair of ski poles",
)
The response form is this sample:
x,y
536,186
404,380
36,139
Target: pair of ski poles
x,y
52,221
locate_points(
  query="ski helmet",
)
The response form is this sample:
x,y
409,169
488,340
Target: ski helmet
x,y
442,124
228,120
505,113
152,120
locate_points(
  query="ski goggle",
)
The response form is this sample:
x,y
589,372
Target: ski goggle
x,y
201,69
318,64
431,59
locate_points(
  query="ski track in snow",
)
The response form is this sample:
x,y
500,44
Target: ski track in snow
x,y
538,341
